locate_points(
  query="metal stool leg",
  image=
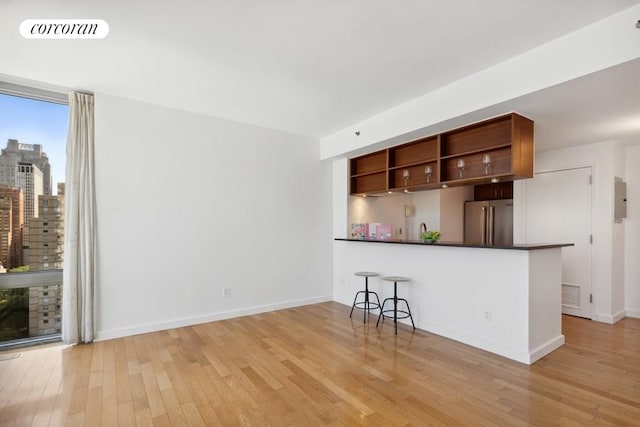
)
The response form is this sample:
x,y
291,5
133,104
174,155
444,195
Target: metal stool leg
x,y
395,305
354,302
366,300
410,316
381,311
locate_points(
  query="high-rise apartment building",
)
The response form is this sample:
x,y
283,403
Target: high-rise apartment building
x,y
17,152
46,250
13,200
29,178
45,310
26,166
46,234
6,226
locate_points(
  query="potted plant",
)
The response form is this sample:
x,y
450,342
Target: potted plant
x,y
431,236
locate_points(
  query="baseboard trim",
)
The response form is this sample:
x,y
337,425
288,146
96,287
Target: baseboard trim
x,y
545,349
633,313
212,317
610,318
518,355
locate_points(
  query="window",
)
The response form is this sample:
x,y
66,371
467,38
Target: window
x,y
33,133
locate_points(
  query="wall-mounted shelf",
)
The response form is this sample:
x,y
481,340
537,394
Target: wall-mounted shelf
x,y
432,162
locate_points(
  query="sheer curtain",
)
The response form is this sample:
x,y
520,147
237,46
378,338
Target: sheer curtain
x,y
79,276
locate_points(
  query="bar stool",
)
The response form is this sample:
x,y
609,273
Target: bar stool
x,y
365,305
404,313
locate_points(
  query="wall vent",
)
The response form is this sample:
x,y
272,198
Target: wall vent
x,y
571,295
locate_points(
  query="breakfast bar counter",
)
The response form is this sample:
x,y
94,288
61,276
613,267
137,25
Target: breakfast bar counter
x,y
506,300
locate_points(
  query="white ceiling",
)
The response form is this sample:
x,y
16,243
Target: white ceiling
x,y
315,67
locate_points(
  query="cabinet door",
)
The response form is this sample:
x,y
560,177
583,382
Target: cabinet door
x,y
497,191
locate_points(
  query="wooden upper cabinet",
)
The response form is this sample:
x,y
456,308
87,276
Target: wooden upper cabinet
x,y
500,190
500,148
368,173
414,166
495,150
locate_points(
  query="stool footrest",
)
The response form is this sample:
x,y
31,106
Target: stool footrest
x,y
405,314
362,305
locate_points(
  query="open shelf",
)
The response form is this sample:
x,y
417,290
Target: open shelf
x,y
477,137
413,153
473,166
369,163
416,175
508,140
370,183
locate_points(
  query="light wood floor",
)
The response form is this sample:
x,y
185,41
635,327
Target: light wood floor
x,y
314,366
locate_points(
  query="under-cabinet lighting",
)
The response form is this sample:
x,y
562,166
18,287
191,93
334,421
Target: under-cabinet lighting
x,y
445,186
494,180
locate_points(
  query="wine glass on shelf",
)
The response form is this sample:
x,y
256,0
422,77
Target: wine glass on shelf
x,y
405,176
486,161
428,171
460,164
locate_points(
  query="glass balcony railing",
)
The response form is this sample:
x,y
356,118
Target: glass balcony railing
x,y
30,307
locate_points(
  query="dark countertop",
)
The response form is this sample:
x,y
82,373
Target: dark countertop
x,y
522,247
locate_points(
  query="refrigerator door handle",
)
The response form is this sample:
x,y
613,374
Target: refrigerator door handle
x,y
492,211
483,224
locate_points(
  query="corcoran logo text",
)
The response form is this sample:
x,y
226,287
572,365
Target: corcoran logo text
x,y
64,29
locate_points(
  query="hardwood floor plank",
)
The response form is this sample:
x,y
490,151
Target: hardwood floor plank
x,y
314,366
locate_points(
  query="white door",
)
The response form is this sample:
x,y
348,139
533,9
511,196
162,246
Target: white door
x,y
559,210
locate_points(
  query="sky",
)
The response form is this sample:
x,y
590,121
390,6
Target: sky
x,y
37,122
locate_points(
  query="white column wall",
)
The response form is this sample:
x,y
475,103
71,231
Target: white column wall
x,y
189,205
632,233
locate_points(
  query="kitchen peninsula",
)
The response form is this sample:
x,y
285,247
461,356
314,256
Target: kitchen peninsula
x,y
505,300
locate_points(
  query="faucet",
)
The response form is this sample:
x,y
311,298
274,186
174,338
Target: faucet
x,y
423,227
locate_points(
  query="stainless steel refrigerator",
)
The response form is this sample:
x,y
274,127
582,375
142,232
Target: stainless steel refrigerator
x,y
489,222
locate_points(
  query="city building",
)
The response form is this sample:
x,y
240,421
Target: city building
x,y
29,178
13,224
5,230
45,310
46,249
27,167
17,152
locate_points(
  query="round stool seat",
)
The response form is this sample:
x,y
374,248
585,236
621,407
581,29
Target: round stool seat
x,y
366,274
396,279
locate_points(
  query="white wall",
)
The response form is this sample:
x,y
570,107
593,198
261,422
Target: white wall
x,y
632,233
618,239
607,287
189,205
